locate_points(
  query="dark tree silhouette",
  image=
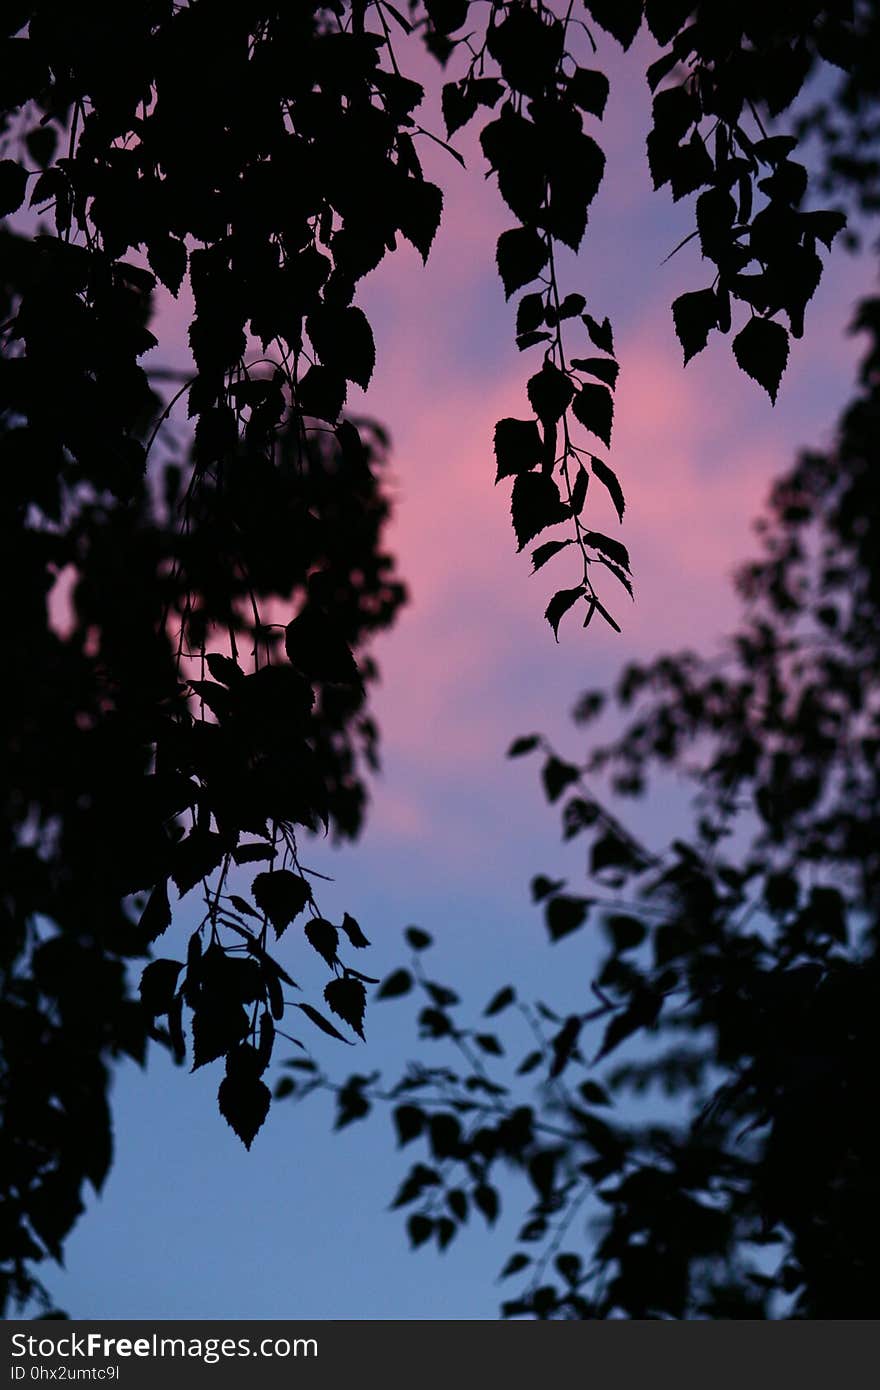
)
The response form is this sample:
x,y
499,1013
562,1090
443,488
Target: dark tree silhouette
x,y
197,704
158,729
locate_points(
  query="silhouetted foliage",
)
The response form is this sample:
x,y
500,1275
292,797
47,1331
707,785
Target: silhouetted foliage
x,y
699,1142
200,699
699,1138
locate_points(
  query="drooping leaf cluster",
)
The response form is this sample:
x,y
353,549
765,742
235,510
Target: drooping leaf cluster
x,y
724,71
548,167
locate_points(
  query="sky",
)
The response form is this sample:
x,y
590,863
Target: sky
x,y
189,1224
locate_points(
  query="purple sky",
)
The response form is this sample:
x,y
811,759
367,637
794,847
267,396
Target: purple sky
x,y
192,1226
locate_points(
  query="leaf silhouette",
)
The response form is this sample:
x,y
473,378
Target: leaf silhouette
x,y
600,333
218,1023
625,931
824,224
605,368
610,851
322,393
461,100
559,606
353,932
542,887
550,392
529,313
324,937
397,983
158,985
323,1023
556,775
609,480
620,18
347,999
545,552
486,1201
502,1000
515,1264
409,1121
420,1229
420,214
343,339
535,505
517,447
282,895
523,745
194,857
615,551
588,89
167,258
579,490
513,147
761,349
691,167
224,669
417,939
666,17
243,907
594,407
695,315
244,1102
565,914
457,1202
521,256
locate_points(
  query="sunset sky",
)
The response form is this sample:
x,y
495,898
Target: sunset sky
x,y
190,1224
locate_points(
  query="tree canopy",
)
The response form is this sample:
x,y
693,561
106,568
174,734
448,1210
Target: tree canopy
x,y
200,701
